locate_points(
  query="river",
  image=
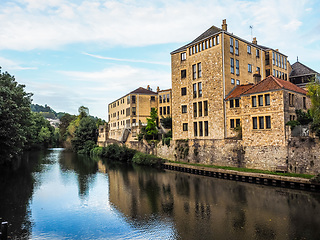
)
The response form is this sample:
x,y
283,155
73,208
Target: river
x,y
60,195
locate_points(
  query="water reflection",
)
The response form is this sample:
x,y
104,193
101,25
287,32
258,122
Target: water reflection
x,y
60,195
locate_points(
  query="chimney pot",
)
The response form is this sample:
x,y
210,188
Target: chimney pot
x,y
158,89
254,41
224,25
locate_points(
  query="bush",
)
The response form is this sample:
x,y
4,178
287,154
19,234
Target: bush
x,y
114,152
88,146
293,124
166,122
146,159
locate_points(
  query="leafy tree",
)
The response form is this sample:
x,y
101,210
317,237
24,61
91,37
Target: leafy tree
x,y
83,112
151,128
314,93
65,121
14,117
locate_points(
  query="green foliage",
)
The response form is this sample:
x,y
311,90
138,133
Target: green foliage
x,y
146,159
151,128
167,138
114,152
293,124
238,129
85,134
314,93
166,122
14,117
83,112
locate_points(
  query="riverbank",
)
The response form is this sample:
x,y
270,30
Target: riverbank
x,y
251,177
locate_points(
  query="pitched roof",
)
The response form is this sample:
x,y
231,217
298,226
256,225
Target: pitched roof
x,y
238,90
210,32
272,83
142,90
299,69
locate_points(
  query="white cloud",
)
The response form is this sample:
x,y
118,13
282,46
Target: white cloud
x,y
8,64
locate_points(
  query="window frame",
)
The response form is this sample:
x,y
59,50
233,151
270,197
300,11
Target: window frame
x,y
183,91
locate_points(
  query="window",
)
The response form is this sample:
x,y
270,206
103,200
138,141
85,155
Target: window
x,y
210,42
183,56
254,123
261,123
199,89
237,68
190,51
196,48
238,82
291,99
128,100
237,47
276,59
133,111
273,60
164,98
267,59
232,80
237,122
267,72
260,100
193,50
268,122
185,126
183,91
195,110
304,103
206,128
133,99
250,68
195,129
231,123
237,102
194,71
232,65
200,47
200,129
194,90
254,101
200,108
203,47
231,103
160,99
205,108
164,111
267,99
285,63
199,70
257,53
168,109
183,73
213,41
231,45
217,38
168,98
184,108
258,70
153,98
274,72
206,44
249,49
160,110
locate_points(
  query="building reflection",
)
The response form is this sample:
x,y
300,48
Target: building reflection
x,y
202,207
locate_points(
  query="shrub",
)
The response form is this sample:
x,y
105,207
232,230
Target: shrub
x,y
146,159
292,124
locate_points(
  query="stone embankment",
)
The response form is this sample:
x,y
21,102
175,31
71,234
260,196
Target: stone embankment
x,y
257,178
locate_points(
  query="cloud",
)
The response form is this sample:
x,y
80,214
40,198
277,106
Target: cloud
x,y
8,64
127,60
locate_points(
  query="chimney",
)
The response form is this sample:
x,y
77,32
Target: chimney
x,y
224,25
158,89
254,41
148,87
256,77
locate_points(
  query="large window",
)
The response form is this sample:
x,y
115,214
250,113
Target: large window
x,y
160,110
184,108
231,45
237,102
200,129
206,128
194,71
164,111
200,109
254,123
133,111
249,49
160,99
217,40
260,100
232,65
231,123
168,109
267,99
205,108
199,70
232,81
231,103
250,68
194,90
237,68
261,123
195,129
183,56
237,47
195,110
183,91
257,53
133,99
254,101
199,89
291,99
268,122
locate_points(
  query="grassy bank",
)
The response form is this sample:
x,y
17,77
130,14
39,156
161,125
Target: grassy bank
x,y
249,170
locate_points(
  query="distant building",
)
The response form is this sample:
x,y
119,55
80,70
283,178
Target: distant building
x,y
164,103
301,74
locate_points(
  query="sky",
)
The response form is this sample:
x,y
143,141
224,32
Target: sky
x,y
72,53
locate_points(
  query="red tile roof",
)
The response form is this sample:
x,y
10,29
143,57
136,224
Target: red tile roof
x,y
238,90
272,83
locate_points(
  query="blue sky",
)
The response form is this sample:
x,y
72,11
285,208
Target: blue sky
x,y
70,53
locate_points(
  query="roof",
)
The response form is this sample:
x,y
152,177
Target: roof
x,y
142,90
238,90
210,32
299,69
272,83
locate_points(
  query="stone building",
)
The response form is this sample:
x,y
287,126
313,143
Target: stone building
x,y
263,109
129,112
206,70
164,103
301,74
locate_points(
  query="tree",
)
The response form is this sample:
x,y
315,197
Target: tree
x,y
314,93
151,128
14,117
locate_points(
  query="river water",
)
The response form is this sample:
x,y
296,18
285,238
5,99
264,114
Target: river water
x,y
60,195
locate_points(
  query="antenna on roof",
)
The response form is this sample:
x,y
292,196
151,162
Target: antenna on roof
x,y
297,59
251,27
